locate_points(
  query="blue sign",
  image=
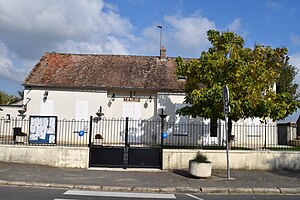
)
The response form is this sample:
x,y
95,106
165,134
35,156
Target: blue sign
x,y
81,133
164,135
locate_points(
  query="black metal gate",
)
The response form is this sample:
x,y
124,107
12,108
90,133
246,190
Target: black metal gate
x,y
130,152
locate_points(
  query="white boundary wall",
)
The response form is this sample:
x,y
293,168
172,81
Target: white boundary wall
x,y
73,157
77,157
248,160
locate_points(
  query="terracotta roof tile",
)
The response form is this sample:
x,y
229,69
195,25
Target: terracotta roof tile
x,y
104,72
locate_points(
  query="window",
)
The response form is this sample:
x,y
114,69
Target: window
x,y
81,110
132,110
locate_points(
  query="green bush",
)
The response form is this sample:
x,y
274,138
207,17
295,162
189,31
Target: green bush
x,y
200,158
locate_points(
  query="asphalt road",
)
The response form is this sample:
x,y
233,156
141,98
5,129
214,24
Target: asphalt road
x,y
28,193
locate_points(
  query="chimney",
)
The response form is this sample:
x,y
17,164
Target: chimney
x,y
163,55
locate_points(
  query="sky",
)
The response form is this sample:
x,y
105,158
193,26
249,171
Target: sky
x,y
29,28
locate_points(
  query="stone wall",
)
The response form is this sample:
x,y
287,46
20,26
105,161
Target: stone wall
x,y
248,160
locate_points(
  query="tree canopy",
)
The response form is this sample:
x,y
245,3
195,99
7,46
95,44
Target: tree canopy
x,y
285,82
250,74
6,99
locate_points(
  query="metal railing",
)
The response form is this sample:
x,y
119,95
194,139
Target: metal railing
x,y
198,134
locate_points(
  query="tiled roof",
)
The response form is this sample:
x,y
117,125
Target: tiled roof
x,y
105,72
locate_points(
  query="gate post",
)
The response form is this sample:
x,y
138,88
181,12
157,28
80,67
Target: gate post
x,y
126,131
125,155
90,139
163,116
90,131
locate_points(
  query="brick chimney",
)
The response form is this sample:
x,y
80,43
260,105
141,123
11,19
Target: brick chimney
x,y
163,54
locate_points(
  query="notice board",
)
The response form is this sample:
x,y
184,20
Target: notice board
x,y
42,129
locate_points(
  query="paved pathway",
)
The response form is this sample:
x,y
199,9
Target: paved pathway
x,y
150,180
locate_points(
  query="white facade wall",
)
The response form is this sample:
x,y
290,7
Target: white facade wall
x,y
69,104
9,111
80,105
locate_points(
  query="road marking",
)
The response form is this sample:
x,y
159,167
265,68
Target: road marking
x,y
120,194
192,196
65,199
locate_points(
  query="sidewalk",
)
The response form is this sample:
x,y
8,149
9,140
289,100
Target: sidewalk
x,y
176,181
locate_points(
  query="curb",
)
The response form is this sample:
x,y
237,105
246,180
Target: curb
x,y
205,190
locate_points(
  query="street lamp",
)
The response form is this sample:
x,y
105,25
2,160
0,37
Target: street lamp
x,y
160,41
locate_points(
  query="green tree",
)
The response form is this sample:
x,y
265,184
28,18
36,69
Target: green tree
x,y
250,75
285,82
6,99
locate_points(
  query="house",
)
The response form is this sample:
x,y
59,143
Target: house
x,y
76,86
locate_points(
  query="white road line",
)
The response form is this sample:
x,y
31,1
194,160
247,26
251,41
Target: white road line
x,y
194,197
120,194
65,199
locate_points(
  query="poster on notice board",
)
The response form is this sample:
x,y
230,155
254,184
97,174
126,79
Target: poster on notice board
x,y
42,129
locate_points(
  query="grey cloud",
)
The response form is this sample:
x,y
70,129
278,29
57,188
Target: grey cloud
x,y
7,69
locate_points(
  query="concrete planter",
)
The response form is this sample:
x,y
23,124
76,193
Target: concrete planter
x,y
201,170
98,141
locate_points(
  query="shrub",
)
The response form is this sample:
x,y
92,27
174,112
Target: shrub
x,y
98,136
200,158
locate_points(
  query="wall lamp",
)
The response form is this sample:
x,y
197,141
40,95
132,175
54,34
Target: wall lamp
x,y
150,98
113,97
45,96
99,113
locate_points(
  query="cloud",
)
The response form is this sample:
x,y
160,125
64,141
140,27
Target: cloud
x,y
182,36
295,39
7,69
147,43
235,25
273,5
46,25
71,46
30,28
187,36
295,60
